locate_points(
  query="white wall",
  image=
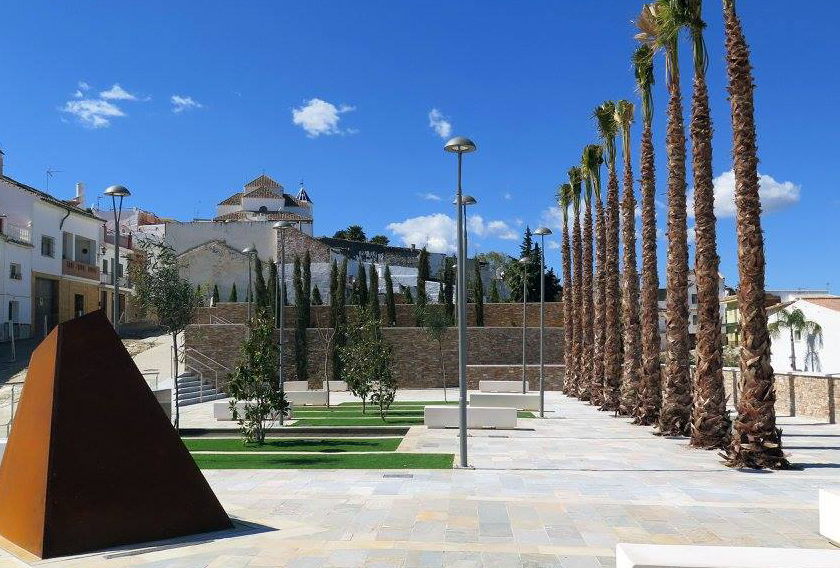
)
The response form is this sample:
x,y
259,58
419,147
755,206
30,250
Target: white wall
x,y
238,234
812,354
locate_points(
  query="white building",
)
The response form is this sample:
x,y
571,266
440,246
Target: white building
x,y
789,295
692,308
263,199
49,252
815,353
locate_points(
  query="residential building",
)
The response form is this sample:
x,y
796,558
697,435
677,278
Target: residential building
x,y
50,257
692,308
731,318
814,352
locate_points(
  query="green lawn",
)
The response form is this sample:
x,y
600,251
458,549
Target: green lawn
x,y
326,445
350,413
369,420
324,461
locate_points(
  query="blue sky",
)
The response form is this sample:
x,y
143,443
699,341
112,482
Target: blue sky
x,y
521,79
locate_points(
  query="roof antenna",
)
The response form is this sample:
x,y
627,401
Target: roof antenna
x,y
50,173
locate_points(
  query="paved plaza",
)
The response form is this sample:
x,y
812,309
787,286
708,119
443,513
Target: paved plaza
x,y
557,492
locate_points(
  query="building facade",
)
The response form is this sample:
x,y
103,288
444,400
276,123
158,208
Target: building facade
x,y
811,352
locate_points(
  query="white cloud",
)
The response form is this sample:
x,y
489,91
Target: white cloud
x,y
690,235
518,221
552,218
93,113
429,196
319,117
774,195
181,103
553,245
507,196
78,94
437,232
117,93
440,123
83,86
476,225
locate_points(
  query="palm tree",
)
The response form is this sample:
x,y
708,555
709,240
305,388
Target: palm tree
x,y
588,306
608,128
593,158
564,199
756,442
710,424
795,322
581,390
675,416
650,389
624,111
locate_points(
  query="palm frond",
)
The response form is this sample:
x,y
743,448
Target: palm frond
x,y
689,15
591,161
624,111
607,128
564,199
575,178
643,70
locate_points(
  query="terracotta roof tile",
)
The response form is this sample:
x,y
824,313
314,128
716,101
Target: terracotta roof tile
x,y
235,199
254,216
830,302
263,182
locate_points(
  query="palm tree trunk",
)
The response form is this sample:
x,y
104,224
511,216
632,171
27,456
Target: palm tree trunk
x,y
586,385
650,393
612,344
568,318
756,442
792,352
675,418
710,422
596,389
577,285
630,300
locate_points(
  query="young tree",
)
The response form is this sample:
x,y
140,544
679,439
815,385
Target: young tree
x,y
437,323
255,382
495,297
327,334
301,358
215,294
366,360
317,300
162,293
361,287
449,288
233,297
373,294
478,294
390,303
422,277
260,288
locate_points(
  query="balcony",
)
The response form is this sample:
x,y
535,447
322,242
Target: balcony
x,y
20,234
80,270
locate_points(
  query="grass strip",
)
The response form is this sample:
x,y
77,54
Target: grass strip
x,y
308,413
327,445
324,461
369,421
402,403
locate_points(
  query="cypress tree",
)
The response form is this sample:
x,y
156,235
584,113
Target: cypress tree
x,y
409,299
373,296
307,286
300,326
340,321
215,294
260,290
495,297
316,297
333,293
422,277
449,289
233,297
271,290
478,294
361,285
390,303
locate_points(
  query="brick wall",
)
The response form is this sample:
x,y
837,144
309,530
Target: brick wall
x,y
495,315
552,375
416,357
297,243
797,394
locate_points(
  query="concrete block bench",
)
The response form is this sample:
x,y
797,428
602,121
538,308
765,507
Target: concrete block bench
x,y
688,556
221,410
2,448
521,401
293,386
829,515
316,398
502,386
477,417
335,386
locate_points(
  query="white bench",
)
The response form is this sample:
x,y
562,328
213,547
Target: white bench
x,y
335,386
294,386
830,515
221,410
502,386
2,448
478,417
521,401
316,398
688,556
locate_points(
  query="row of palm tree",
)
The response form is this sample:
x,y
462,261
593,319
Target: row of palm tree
x,y
612,342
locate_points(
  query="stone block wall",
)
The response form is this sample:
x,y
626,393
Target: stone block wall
x,y
552,376
797,394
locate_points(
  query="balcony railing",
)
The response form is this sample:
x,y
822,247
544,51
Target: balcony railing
x,y
125,240
108,278
21,234
80,269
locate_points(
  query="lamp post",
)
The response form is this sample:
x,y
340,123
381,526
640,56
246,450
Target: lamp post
x,y
465,200
250,252
460,145
542,232
524,261
280,226
116,191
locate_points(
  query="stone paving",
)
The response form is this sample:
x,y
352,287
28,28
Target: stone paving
x,y
558,492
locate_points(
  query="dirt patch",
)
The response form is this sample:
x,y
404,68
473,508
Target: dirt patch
x,y
135,347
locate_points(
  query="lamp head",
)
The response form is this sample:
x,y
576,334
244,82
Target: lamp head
x,y
542,231
460,145
117,191
525,260
249,250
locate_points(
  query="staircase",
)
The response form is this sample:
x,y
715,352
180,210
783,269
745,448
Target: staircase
x,y
201,377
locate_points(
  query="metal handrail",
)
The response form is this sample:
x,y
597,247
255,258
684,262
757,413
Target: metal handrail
x,y
195,351
11,406
192,360
219,319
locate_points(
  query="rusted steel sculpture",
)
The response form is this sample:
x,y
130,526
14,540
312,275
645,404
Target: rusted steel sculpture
x,y
92,460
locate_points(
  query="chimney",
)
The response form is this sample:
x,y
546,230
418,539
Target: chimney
x,y
80,194
413,247
1,162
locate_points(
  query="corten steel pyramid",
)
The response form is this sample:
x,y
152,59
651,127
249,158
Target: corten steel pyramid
x,y
92,460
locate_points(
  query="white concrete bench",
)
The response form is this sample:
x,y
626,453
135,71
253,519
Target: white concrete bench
x,y
521,401
293,386
335,386
316,398
2,448
502,386
478,417
221,410
688,556
830,515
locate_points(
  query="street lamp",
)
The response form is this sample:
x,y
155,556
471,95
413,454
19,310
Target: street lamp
x,y
460,145
250,251
281,285
542,232
524,261
116,191
465,200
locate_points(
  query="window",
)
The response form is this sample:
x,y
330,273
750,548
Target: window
x,y
15,272
119,271
694,319
104,266
78,304
694,298
14,308
47,246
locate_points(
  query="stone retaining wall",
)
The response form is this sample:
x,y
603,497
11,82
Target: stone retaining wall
x,y
797,394
552,375
495,315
